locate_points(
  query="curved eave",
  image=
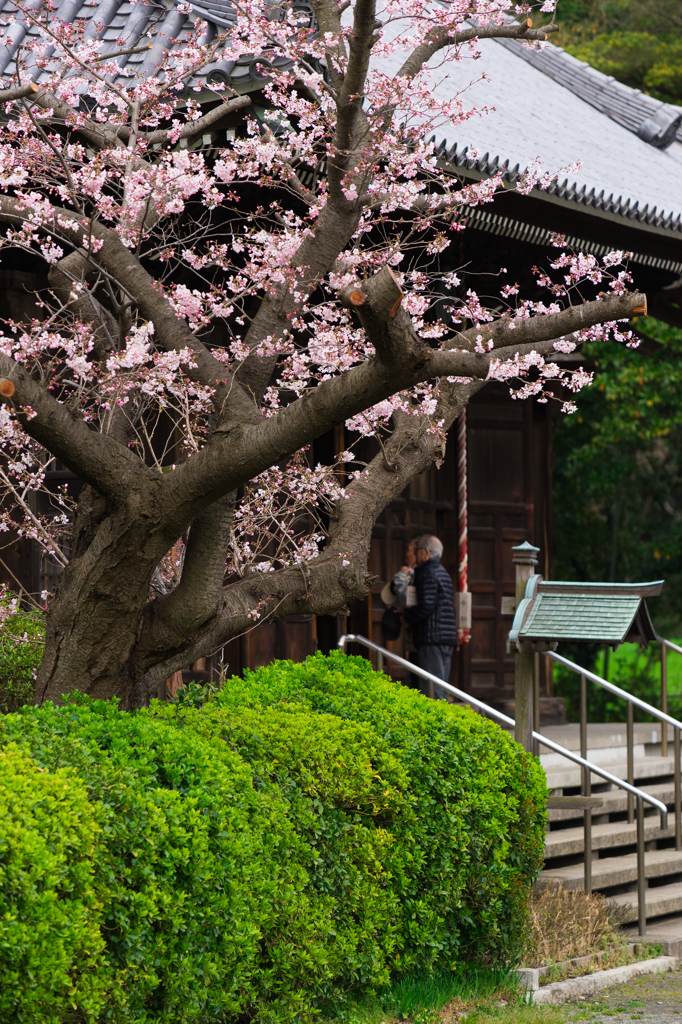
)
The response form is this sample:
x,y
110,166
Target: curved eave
x,y
614,208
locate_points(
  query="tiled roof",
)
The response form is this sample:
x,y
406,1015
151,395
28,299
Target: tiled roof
x,y
582,617
540,103
631,108
484,219
113,20
573,191
607,613
544,103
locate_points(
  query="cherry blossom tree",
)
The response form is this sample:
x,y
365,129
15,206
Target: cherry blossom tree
x,y
209,316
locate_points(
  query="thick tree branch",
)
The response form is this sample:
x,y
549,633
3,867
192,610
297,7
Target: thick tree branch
x,y
351,93
442,38
339,218
238,453
554,325
322,585
96,458
171,331
19,92
168,621
192,128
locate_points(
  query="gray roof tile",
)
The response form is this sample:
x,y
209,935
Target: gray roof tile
x,y
583,617
629,107
120,20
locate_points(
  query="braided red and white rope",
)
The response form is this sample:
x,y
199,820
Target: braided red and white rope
x,y
464,635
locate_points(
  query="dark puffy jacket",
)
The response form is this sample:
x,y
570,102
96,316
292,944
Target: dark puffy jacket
x,y
433,619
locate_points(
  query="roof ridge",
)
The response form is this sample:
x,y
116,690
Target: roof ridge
x,y
655,121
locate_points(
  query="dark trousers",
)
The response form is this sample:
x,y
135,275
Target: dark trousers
x,y
436,659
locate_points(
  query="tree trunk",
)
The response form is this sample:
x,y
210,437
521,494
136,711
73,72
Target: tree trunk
x,y
93,621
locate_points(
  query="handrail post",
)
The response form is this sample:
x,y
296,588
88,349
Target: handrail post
x,y
641,876
587,789
678,792
631,759
664,697
525,559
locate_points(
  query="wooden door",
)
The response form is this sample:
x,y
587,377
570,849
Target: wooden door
x,y
509,491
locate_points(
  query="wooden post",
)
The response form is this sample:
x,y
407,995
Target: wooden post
x,y
525,558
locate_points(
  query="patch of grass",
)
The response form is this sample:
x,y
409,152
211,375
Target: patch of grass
x,y
429,999
413,996
564,925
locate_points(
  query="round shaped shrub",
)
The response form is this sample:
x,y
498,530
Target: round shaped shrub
x,y
346,791
465,856
312,829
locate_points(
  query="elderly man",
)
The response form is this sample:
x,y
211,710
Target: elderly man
x,y
432,620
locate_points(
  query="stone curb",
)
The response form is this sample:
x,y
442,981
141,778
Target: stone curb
x,y
573,988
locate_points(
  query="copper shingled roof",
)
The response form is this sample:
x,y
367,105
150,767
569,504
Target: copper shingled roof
x,y
607,613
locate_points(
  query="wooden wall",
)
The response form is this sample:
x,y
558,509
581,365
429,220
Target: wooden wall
x,y
509,457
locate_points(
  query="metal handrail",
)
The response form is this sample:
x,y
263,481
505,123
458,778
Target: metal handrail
x,y
669,643
587,766
632,702
348,638
616,689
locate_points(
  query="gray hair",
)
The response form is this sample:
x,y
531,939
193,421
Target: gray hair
x,y
432,545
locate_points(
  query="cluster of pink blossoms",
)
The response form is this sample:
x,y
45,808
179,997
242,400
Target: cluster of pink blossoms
x,y
217,254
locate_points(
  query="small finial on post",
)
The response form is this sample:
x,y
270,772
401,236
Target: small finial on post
x,y
525,554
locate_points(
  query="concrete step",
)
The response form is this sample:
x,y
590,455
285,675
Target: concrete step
x,y
614,801
604,740
665,932
609,871
644,768
567,842
664,899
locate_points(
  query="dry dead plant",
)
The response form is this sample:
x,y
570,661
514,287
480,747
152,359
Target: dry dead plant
x,y
564,924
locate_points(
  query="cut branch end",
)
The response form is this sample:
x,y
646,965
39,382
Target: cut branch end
x,y
352,297
6,387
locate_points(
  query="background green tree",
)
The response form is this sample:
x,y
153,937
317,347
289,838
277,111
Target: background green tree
x,y
618,499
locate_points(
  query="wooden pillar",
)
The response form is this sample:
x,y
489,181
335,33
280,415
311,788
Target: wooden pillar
x,y
525,558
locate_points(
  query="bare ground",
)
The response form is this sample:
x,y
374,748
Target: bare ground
x,y
656,999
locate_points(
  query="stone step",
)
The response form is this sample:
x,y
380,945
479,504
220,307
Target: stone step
x,y
664,899
644,768
567,842
606,741
666,932
609,871
614,801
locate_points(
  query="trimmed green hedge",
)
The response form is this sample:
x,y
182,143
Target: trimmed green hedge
x,y
315,828
49,926
469,837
